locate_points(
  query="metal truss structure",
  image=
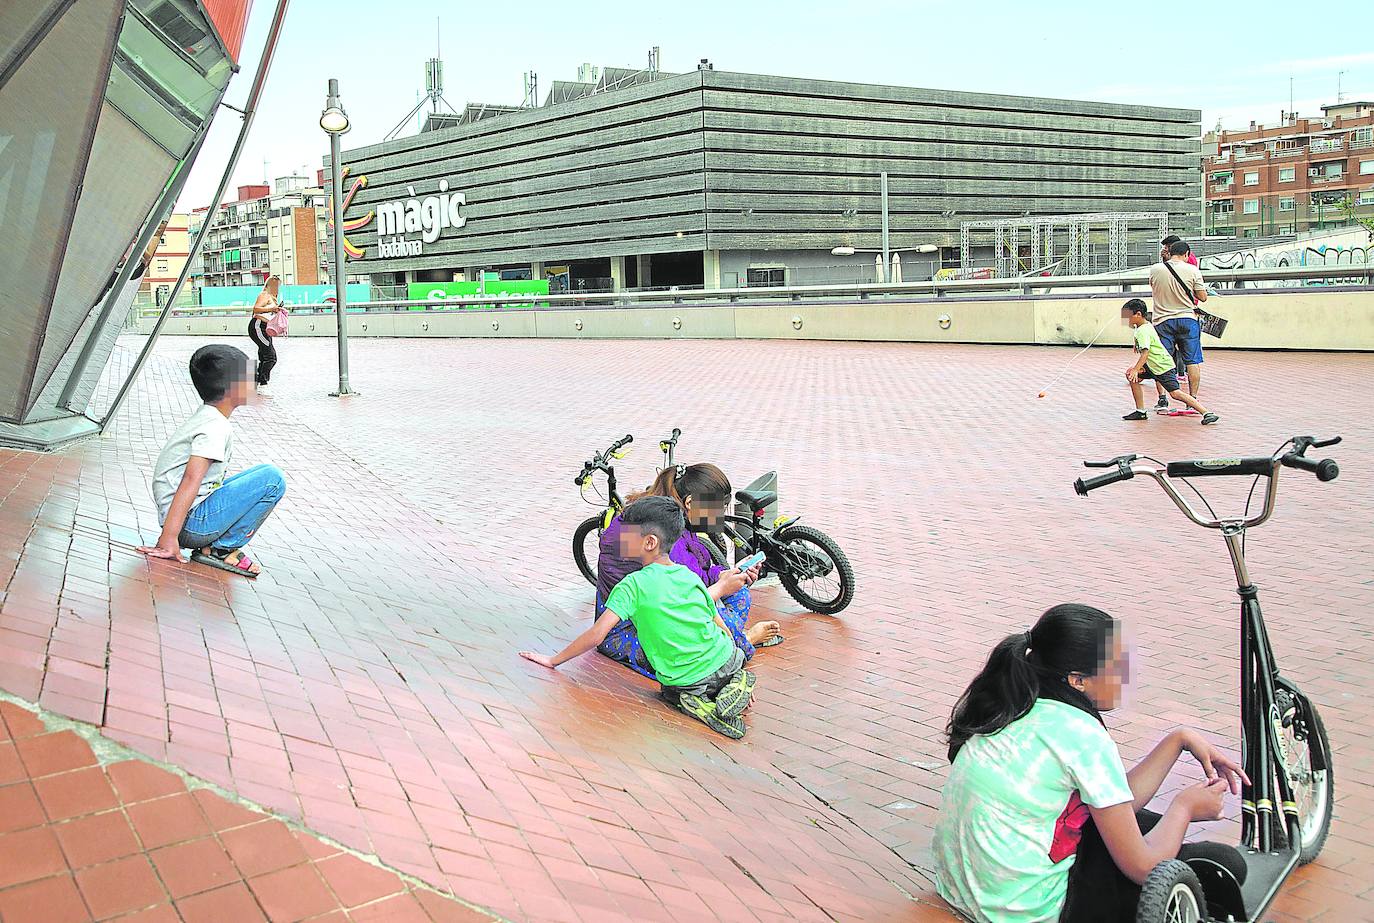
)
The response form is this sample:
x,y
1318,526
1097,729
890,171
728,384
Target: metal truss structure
x,y
1043,230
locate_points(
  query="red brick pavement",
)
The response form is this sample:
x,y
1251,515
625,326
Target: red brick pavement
x,y
127,840
367,684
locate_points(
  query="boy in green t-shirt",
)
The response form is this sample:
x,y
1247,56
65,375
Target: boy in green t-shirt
x,y
1154,362
697,663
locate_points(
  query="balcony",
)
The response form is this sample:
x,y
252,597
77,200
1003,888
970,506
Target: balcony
x,y
1286,152
1361,143
1325,145
1242,158
1319,180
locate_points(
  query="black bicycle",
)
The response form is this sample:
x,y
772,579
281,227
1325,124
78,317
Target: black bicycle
x,y
1286,807
809,565
587,535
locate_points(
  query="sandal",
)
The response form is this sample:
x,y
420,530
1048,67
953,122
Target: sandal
x,y
769,642
235,561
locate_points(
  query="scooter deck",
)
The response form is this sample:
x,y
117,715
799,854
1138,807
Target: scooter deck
x,y
1265,873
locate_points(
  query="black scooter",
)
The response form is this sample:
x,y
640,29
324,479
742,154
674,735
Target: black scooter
x,y
1286,808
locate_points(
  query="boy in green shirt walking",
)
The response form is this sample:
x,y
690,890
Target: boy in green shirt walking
x,y
1154,362
697,663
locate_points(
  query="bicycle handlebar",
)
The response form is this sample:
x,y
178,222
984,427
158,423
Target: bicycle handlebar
x,y
599,462
1128,466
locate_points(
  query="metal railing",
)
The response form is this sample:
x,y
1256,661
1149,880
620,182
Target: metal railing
x,y
1357,276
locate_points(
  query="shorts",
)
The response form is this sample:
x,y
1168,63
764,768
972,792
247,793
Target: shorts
x,y
1167,380
708,686
1182,335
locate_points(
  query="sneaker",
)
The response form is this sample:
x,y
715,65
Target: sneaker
x,y
704,710
1136,415
1162,405
1209,418
734,696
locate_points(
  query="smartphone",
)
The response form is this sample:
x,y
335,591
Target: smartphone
x,y
755,558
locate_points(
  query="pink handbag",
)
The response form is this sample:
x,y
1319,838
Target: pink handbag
x,y
276,324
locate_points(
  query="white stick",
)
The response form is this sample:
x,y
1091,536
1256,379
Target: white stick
x,y
1075,356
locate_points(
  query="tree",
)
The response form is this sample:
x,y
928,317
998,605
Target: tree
x,y
1348,207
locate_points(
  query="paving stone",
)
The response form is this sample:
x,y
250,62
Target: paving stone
x,y
423,540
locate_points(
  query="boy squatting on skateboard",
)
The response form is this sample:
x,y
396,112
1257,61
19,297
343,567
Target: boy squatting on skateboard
x,y
198,506
1153,362
700,669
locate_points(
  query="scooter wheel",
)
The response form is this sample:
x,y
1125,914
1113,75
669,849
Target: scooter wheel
x,y
1171,894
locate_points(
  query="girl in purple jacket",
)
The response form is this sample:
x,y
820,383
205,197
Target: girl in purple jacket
x,y
704,492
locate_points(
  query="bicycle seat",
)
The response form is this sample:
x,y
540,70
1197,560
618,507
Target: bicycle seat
x,y
757,499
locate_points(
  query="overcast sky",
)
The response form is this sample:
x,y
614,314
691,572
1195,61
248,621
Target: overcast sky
x,y
1234,64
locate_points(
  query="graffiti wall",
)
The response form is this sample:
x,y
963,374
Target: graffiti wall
x,y
1344,248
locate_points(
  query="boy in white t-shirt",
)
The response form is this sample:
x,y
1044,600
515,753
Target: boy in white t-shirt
x,y
198,506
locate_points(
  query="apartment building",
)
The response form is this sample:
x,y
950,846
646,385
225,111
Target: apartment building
x,y
168,260
1294,176
296,227
268,230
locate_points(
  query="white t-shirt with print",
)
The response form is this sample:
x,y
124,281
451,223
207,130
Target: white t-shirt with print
x,y
207,434
1003,803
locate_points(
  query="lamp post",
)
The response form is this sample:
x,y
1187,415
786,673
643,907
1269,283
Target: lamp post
x,y
882,189
334,121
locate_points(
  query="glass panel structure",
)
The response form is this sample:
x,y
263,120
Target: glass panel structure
x,y
102,105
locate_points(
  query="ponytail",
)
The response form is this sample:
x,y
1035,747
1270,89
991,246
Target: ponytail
x,y
1032,665
665,485
703,481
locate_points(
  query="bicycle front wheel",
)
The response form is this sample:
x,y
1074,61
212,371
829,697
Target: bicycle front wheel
x,y
587,547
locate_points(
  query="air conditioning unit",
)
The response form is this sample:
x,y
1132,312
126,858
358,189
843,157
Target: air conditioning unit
x,y
1313,171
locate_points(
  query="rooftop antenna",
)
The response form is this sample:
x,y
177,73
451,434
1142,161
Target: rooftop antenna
x,y
653,60
434,89
1340,96
1290,99
531,91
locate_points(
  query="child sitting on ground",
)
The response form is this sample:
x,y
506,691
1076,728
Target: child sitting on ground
x,y
1154,362
198,506
700,669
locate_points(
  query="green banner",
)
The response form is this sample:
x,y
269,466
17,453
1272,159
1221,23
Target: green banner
x,y
439,292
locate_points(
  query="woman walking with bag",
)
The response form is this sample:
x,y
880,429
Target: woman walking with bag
x,y
268,320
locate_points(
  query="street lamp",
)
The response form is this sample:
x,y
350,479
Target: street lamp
x,y
334,121
893,258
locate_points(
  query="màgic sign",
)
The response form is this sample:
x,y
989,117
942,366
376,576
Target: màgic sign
x,y
426,217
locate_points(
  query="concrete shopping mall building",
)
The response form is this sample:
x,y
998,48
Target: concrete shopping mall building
x,y
716,179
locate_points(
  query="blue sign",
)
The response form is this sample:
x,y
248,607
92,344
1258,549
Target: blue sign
x,y
242,296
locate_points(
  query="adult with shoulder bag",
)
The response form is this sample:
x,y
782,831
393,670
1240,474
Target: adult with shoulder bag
x,y
1177,288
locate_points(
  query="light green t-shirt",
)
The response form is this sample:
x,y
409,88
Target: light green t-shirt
x,y
1156,356
1005,795
676,621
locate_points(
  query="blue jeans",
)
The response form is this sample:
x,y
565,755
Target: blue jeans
x,y
229,516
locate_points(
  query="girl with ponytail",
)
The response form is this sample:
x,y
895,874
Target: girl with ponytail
x,y
703,491
1040,819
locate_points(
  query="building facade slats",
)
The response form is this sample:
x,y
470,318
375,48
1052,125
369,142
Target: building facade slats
x,y
719,100
716,161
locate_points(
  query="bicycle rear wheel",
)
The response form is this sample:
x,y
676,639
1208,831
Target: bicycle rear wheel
x,y
587,547
814,571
